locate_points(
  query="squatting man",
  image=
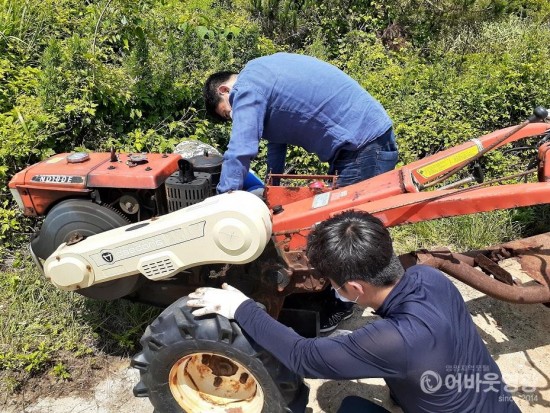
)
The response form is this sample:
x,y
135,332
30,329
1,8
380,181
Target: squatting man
x,y
424,337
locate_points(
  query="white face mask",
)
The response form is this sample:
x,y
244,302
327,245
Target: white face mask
x,y
344,299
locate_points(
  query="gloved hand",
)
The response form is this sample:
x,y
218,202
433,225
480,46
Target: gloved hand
x,y
224,301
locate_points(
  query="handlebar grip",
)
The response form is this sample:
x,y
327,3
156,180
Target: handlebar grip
x,y
539,113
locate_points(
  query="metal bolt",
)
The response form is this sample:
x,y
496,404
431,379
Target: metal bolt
x,y
282,279
277,209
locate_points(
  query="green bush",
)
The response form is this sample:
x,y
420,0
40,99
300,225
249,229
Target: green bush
x,y
424,22
296,24
475,87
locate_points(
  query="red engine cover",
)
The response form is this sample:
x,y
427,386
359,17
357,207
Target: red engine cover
x,y
42,184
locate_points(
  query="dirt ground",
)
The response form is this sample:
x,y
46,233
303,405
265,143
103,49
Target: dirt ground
x,y
516,335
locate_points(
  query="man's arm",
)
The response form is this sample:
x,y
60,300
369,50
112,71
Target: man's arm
x,y
248,108
376,350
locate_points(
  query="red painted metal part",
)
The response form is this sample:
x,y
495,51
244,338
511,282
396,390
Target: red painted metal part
x,y
288,194
38,187
44,184
544,163
126,174
395,196
424,206
282,195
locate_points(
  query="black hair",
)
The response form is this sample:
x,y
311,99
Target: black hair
x,y
210,92
354,245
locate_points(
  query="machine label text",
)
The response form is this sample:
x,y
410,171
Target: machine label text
x,y
58,179
151,244
438,167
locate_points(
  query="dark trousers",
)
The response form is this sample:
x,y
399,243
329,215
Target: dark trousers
x,y
355,404
374,158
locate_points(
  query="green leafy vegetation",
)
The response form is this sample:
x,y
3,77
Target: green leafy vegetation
x,y
128,73
43,328
460,233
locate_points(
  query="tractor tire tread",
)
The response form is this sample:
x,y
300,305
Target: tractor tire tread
x,y
176,333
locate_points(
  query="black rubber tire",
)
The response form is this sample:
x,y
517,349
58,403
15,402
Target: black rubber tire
x,y
84,217
73,216
177,333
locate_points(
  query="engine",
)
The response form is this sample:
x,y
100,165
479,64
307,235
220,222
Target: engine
x,y
195,181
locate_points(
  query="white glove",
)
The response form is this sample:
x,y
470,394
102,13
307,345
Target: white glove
x,y
223,301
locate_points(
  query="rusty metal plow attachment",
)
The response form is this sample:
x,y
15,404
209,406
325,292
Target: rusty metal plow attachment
x,y
481,270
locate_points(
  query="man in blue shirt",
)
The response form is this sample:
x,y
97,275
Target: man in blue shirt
x,y
425,345
300,100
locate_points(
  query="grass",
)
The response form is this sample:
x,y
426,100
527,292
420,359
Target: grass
x,y
460,233
470,232
45,330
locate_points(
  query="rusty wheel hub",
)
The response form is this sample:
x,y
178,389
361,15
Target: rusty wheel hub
x,y
210,382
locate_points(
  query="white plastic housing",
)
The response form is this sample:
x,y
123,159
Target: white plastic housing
x,y
229,228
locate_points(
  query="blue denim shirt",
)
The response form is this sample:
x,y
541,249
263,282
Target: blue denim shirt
x,y
298,100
